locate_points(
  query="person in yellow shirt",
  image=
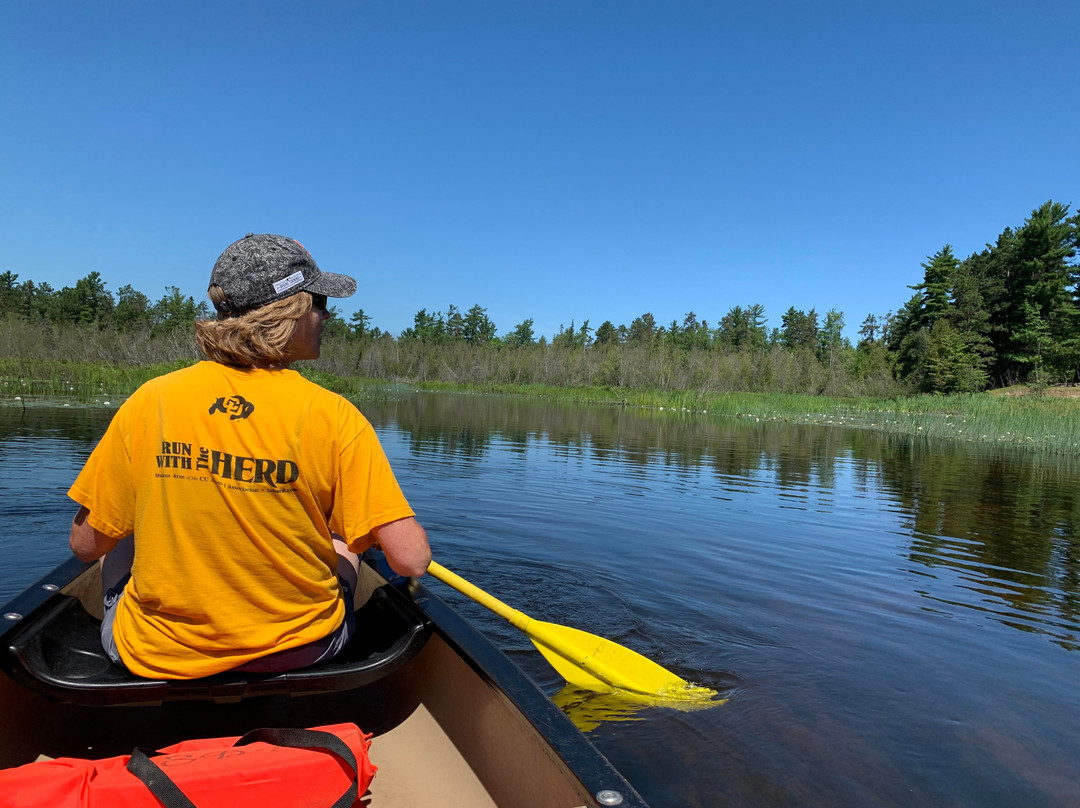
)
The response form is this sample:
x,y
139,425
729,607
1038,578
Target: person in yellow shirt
x,y
230,499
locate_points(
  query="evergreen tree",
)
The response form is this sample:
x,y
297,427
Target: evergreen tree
x,y
755,324
934,290
868,330
86,302
476,327
1037,285
565,338
11,297
733,333
1031,340
455,324
831,338
1045,246
359,325
40,301
951,366
522,335
584,335
132,312
672,335
919,342
989,270
799,329
427,328
606,334
173,310
642,330
971,319
906,341
694,334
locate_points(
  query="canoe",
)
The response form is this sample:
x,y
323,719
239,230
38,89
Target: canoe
x,y
454,721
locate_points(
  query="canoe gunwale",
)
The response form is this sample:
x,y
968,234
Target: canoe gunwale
x,y
29,603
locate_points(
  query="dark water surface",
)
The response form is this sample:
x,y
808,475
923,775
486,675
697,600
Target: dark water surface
x,y
893,623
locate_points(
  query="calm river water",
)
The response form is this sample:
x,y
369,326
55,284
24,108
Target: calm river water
x,y
892,623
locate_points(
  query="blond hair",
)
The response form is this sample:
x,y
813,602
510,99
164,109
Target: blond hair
x,y
261,335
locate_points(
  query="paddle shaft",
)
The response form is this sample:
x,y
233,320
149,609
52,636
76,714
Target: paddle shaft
x,y
518,619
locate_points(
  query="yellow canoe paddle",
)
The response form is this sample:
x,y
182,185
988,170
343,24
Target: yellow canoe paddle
x,y
583,659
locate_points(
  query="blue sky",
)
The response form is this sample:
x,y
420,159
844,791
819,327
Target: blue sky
x,y
559,160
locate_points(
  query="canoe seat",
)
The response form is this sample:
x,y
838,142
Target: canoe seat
x,y
60,656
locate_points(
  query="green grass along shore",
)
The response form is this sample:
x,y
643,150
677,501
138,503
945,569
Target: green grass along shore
x,y
1047,422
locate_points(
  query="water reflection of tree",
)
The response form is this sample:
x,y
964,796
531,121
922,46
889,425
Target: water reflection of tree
x,y
1002,521
1005,521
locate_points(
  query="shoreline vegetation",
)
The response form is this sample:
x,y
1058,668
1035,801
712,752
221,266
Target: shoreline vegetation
x,y
945,366
941,368
1002,317
1043,419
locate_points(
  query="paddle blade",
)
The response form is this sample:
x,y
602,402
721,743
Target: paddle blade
x,y
594,663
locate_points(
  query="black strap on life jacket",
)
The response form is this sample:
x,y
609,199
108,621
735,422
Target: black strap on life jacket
x,y
170,796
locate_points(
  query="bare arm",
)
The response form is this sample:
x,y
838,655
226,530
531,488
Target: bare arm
x,y
406,547
88,543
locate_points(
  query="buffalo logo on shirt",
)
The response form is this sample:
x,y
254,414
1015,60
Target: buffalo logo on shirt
x,y
233,406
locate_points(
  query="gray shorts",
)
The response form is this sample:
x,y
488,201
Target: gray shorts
x,y
311,654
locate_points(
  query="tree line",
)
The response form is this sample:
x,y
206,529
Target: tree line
x,y
1007,314
1004,315
89,302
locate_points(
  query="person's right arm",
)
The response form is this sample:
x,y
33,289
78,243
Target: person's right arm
x,y
404,542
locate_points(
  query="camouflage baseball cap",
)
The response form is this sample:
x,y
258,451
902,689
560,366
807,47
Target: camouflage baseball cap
x,y
259,269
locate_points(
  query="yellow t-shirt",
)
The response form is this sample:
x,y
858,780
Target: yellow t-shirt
x,y
232,482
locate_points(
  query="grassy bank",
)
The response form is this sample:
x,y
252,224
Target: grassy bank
x,y
36,380
25,382
1046,422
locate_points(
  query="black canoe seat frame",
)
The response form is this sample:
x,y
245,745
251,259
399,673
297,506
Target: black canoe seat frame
x,y
59,655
